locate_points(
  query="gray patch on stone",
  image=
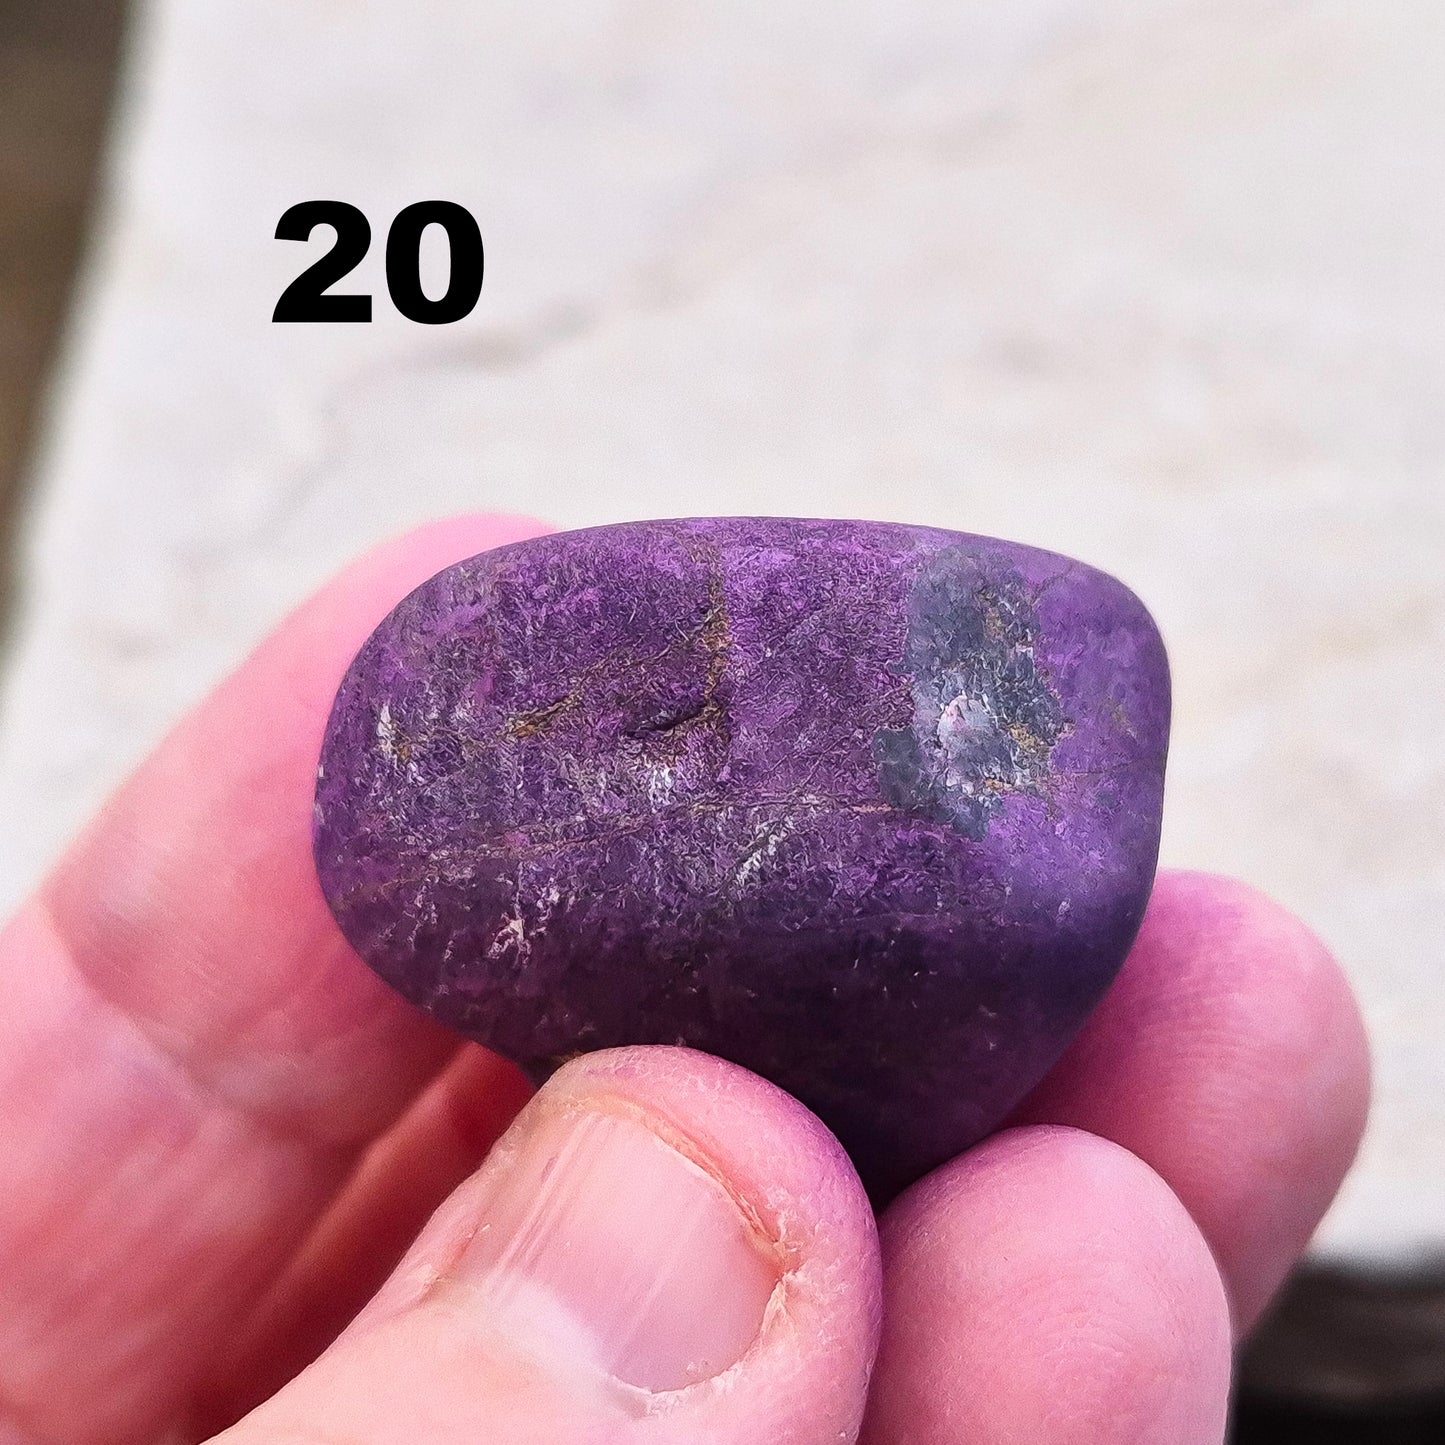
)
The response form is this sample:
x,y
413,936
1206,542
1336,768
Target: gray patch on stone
x,y
985,721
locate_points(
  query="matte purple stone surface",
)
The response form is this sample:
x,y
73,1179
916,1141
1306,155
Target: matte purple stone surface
x,y
870,809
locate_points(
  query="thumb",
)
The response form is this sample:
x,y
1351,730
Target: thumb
x,y
663,1248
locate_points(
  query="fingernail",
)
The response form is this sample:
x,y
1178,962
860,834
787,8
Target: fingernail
x,y
603,1246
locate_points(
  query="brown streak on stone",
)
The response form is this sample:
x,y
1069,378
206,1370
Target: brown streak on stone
x,y
528,724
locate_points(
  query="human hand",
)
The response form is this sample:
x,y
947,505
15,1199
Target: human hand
x,y
219,1133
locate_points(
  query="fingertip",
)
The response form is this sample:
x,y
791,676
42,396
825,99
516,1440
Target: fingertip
x,y
789,1176
660,1236
775,1152
1295,1000
1231,1056
1048,1285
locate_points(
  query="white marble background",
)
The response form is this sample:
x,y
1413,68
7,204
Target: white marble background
x,y
1160,283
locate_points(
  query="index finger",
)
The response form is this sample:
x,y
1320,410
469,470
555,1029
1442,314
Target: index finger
x,y
191,1057
1230,1057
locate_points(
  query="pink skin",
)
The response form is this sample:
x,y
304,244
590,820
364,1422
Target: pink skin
x,y
1230,1057
1103,1314
219,1134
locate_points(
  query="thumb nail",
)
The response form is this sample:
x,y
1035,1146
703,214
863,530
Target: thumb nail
x,y
602,1246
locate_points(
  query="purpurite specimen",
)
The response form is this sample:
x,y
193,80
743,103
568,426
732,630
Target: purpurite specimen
x,y
870,809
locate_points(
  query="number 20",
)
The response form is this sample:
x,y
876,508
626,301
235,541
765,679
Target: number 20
x,y
307,298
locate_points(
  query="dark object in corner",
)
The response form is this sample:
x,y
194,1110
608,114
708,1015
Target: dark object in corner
x,y
58,62
1348,1357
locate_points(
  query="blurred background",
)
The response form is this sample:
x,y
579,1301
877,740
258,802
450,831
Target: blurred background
x,y
1157,283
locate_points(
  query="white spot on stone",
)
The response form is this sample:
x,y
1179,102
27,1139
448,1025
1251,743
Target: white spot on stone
x,y
660,782
388,734
764,846
511,936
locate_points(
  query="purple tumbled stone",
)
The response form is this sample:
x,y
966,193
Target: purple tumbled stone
x,y
870,809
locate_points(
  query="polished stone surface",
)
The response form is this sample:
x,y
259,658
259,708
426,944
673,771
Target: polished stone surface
x,y
871,809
